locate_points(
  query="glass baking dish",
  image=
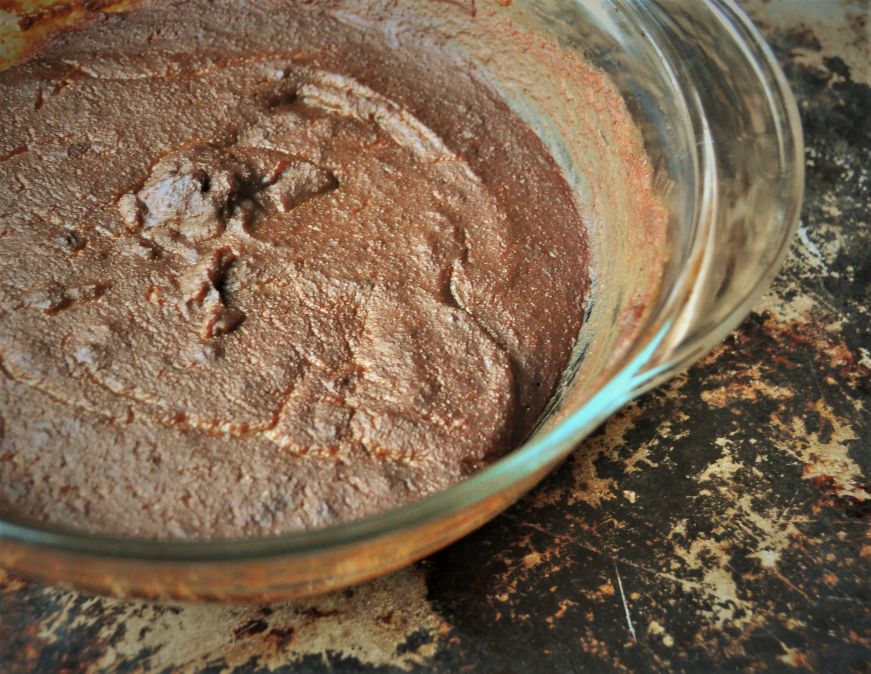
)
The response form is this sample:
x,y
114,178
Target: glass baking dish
x,y
723,137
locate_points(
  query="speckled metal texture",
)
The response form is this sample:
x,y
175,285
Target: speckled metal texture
x,y
719,524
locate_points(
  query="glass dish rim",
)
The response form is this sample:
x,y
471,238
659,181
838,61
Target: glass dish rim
x,y
633,374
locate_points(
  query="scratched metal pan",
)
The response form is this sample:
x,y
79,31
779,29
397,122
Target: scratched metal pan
x,y
723,142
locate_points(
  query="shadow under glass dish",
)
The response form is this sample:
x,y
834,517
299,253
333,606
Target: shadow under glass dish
x,y
723,139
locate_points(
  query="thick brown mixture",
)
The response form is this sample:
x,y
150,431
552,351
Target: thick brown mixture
x,y
267,266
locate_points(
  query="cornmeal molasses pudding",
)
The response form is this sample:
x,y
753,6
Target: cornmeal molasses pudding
x,y
267,266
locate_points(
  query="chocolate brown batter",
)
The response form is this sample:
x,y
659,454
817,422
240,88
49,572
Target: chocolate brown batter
x,y
268,266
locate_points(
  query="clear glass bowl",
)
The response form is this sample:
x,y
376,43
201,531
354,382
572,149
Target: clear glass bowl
x,y
724,140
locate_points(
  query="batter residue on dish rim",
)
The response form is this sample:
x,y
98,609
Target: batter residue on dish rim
x,y
266,267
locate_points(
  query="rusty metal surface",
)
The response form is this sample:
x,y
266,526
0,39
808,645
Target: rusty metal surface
x,y
719,524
